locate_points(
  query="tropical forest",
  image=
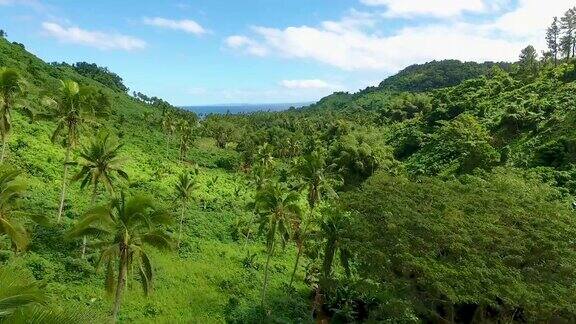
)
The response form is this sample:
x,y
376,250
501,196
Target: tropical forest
x,y
445,193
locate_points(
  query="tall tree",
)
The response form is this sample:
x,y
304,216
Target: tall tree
x,y
3,34
552,39
331,236
186,130
333,232
99,162
75,107
11,190
123,228
10,88
184,192
169,127
568,27
278,208
528,62
313,170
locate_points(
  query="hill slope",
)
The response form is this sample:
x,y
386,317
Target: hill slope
x,y
208,280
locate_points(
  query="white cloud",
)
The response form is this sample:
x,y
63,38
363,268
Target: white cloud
x,y
357,50
97,39
307,84
246,44
437,8
186,25
531,17
354,43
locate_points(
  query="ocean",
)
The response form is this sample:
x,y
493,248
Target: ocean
x,y
242,108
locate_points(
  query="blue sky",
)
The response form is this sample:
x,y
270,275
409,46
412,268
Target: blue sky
x,y
253,51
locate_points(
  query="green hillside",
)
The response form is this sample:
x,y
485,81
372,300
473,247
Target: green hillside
x,y
210,279
442,196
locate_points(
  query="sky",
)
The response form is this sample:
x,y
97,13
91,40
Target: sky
x,y
197,52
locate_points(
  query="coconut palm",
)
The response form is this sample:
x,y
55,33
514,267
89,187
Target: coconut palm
x,y
10,88
72,110
169,127
263,168
315,177
186,137
99,162
184,193
278,208
123,228
330,238
333,231
11,190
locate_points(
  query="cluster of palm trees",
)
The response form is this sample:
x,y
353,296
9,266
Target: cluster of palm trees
x,y
121,227
283,218
184,127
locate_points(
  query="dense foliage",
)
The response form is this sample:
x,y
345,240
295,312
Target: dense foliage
x,y
98,73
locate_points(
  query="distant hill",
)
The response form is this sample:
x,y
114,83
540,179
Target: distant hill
x,y
437,74
418,78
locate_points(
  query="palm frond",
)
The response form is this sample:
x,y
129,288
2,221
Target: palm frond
x,y
158,239
17,291
96,220
15,232
145,271
46,315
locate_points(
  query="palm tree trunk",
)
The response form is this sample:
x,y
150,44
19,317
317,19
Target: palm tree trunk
x,y
93,200
181,224
122,271
4,144
64,176
301,244
329,252
167,146
249,231
300,248
266,272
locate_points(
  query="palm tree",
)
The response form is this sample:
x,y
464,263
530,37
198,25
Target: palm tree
x,y
186,137
331,237
278,209
10,88
169,127
184,191
315,176
99,162
123,228
75,107
334,229
11,190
